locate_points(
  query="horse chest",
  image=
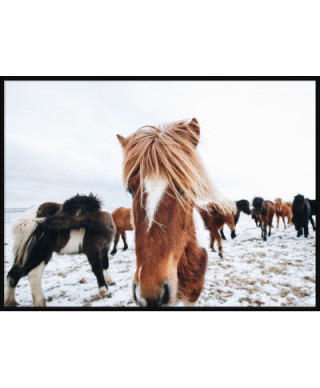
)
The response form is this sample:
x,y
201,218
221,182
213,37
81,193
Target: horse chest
x,y
72,243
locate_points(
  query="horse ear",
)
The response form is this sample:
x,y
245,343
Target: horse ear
x,y
195,127
122,140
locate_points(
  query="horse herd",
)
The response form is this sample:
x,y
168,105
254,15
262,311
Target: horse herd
x,y
167,180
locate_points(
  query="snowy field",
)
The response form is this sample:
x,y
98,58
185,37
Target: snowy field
x,y
279,272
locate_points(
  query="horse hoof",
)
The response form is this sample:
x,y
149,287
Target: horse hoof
x,y
125,248
112,284
11,304
109,295
220,254
103,292
113,252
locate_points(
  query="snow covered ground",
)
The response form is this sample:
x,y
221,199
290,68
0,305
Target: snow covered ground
x,y
279,272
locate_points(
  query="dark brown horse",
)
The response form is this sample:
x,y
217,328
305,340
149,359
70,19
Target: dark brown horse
x,y
165,177
77,226
122,220
283,210
264,211
214,219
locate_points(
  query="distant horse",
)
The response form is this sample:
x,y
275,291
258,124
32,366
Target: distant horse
x,y
214,219
242,206
264,211
122,220
165,177
77,226
301,215
282,209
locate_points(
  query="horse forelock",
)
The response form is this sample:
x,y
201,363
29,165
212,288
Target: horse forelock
x,y
168,154
257,202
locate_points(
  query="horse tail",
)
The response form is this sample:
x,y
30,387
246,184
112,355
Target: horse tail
x,y
33,249
23,229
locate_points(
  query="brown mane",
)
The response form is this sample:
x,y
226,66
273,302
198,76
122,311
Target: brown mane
x,y
170,152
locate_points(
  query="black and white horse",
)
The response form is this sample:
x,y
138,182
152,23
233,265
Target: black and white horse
x,y
77,226
242,206
302,214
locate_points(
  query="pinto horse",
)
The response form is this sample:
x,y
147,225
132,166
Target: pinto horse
x,y
264,211
122,220
242,206
214,219
166,177
301,215
76,226
283,210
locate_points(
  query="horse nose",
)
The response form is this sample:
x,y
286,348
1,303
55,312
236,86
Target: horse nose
x,y
165,298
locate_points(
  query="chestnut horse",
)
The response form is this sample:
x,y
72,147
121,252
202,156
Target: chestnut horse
x,y
264,211
282,209
214,220
77,226
166,177
122,220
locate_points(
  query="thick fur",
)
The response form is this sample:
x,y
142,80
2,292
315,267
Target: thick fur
x,y
122,218
264,212
85,203
301,215
54,227
170,263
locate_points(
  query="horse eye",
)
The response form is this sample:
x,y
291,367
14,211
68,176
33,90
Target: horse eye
x,y
181,192
130,190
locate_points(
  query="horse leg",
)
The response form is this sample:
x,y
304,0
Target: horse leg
x,y
34,277
217,236
299,231
306,229
96,265
124,239
13,278
105,266
222,234
277,221
312,223
284,221
270,225
264,231
212,241
116,240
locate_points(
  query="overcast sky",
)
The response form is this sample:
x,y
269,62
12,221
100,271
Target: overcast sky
x,y
257,138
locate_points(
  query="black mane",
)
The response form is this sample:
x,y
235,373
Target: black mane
x,y
298,200
257,202
87,203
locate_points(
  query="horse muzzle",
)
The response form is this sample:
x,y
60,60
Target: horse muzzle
x,y
158,297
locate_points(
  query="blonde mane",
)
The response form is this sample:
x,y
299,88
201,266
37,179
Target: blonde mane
x,y
169,152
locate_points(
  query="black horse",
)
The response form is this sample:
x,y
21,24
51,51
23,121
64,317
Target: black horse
x,y
77,226
302,214
242,206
